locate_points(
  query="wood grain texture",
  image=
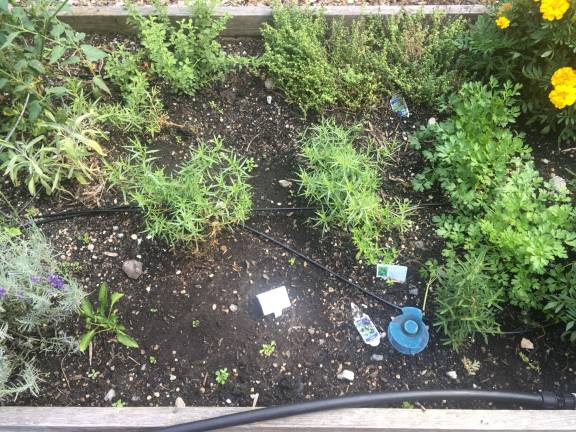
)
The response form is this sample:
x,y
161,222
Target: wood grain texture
x,y
244,20
51,419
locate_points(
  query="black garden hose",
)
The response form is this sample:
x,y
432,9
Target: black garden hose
x,y
320,266
545,400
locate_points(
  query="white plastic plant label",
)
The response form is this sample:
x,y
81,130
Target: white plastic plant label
x,y
366,328
274,301
392,272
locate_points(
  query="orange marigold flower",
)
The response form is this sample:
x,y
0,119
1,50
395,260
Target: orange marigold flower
x,y
502,22
563,96
564,76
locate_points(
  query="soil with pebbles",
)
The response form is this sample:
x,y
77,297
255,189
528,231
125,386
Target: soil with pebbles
x,y
195,313
300,2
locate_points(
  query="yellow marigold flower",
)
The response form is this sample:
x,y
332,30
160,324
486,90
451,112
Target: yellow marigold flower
x,y
563,96
564,76
554,9
505,7
502,22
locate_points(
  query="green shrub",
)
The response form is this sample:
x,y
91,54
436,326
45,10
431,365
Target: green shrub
x,y
141,109
529,51
418,56
472,150
504,210
319,66
186,55
208,192
44,140
345,182
466,298
296,57
35,300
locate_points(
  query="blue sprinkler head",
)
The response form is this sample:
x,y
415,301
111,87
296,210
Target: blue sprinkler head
x,y
407,332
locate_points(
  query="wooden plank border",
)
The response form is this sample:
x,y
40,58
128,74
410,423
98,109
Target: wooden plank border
x,y
52,419
245,21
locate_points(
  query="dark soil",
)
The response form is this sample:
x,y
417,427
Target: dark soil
x,y
181,309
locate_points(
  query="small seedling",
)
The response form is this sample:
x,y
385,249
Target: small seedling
x,y
153,310
222,376
152,360
104,318
93,374
268,349
471,366
292,261
84,238
533,366
195,323
407,405
118,404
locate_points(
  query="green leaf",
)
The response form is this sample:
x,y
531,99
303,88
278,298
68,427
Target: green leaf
x,y
86,308
546,53
126,340
86,339
57,30
36,65
9,39
92,53
4,5
56,54
3,82
99,83
34,110
103,298
116,296
72,60
56,91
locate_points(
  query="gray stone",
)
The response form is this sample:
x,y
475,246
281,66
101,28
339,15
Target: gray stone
x,y
268,84
377,357
179,403
346,374
285,183
110,395
233,308
452,375
268,100
558,183
132,268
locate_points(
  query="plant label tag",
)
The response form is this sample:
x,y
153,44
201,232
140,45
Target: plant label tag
x,y
274,301
399,106
392,272
368,331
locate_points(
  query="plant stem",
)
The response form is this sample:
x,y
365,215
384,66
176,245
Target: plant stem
x,y
18,119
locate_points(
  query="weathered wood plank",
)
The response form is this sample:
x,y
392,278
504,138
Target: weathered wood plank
x,y
244,20
51,419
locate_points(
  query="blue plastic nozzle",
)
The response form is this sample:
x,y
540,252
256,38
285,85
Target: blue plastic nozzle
x,y
407,332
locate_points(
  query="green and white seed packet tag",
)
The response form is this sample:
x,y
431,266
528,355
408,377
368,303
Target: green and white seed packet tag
x,y
392,272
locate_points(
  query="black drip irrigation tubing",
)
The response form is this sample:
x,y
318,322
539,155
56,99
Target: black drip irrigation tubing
x,y
544,400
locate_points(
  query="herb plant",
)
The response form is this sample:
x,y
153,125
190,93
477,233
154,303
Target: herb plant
x,y
208,192
222,376
44,138
267,349
186,55
35,301
104,318
345,183
533,44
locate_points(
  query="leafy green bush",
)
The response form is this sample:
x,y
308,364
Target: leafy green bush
x,y
473,149
418,56
43,139
527,42
505,211
141,109
345,182
466,298
319,66
208,192
186,55
35,300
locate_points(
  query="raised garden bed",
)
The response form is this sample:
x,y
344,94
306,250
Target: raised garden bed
x,y
196,313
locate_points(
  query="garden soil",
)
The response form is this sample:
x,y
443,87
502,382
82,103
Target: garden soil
x,y
195,312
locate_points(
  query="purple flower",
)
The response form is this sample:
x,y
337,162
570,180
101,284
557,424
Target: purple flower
x,y
36,279
56,281
2,292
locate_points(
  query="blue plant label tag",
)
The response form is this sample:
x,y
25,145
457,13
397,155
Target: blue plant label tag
x,y
392,272
367,330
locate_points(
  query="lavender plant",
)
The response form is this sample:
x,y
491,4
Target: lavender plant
x,y
35,300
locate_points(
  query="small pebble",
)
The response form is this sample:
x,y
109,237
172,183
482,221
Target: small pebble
x,y
132,268
233,308
526,344
346,375
179,403
377,357
285,183
268,100
110,395
452,375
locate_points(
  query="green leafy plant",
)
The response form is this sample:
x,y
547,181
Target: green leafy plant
x,y
207,193
222,376
44,138
195,323
119,404
186,55
418,56
466,298
320,65
267,349
35,302
104,318
345,182
141,108
473,149
519,41
152,360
